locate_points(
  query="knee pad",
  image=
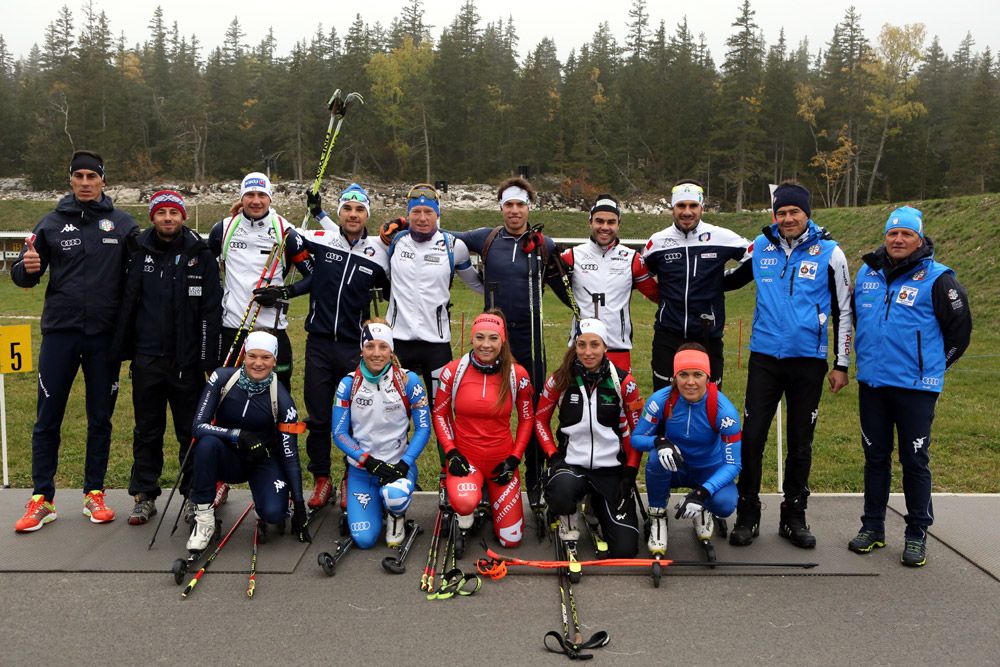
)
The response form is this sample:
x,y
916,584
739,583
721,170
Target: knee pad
x,y
464,493
396,496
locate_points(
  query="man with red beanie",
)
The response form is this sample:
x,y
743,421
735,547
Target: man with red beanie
x,y
169,325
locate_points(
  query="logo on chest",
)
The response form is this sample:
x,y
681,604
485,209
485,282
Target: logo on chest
x,y
907,296
808,270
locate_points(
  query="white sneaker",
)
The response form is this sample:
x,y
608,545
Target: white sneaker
x,y
466,521
395,530
204,527
657,531
569,529
704,523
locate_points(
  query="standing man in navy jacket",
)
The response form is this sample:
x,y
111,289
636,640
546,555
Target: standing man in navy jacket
x,y
85,243
913,324
803,285
170,326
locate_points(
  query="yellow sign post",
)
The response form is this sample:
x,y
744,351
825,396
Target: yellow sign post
x,y
15,357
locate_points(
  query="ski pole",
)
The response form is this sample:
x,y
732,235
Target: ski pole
x,y
339,106
435,536
170,497
264,275
375,295
252,583
570,643
197,577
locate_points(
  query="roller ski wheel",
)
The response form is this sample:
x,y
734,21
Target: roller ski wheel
x,y
541,522
460,536
709,551
657,571
397,564
182,566
326,561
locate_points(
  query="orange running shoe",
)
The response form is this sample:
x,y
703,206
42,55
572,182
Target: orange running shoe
x,y
94,507
38,513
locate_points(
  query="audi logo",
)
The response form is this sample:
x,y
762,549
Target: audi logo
x,y
69,243
334,257
364,401
768,261
870,285
931,382
589,267
671,256
406,254
238,245
467,487
358,526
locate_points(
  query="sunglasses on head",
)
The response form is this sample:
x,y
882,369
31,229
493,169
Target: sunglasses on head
x,y
422,190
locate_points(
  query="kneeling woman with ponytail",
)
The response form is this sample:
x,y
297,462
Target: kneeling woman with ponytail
x,y
592,453
472,410
371,421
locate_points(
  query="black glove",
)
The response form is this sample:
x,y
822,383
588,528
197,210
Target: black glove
x,y
504,471
314,202
694,502
376,467
458,465
300,522
253,445
387,232
393,471
669,455
557,459
626,485
268,296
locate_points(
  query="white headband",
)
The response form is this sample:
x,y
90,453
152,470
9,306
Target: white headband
x,y
261,340
377,331
687,192
515,193
593,326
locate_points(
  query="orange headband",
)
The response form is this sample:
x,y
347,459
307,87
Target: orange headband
x,y
692,359
489,322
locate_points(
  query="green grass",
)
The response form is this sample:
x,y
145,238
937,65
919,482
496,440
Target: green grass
x,y
966,456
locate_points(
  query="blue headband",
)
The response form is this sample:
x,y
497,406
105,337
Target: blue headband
x,y
905,217
422,200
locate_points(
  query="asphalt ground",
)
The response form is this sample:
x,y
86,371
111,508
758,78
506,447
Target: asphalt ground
x,y
77,593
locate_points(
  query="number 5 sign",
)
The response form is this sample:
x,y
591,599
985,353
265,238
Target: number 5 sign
x,y
15,357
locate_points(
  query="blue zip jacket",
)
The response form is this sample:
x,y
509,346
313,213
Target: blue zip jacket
x,y
912,321
702,446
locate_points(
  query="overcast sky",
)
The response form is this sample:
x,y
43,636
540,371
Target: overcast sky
x,y
570,24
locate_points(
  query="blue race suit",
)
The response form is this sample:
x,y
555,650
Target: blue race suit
x,y
379,429
711,452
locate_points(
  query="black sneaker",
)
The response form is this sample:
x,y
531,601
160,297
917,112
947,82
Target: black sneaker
x,y
747,524
792,524
866,540
914,552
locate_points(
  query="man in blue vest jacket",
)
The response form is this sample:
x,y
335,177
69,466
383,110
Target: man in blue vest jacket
x,y
803,286
912,323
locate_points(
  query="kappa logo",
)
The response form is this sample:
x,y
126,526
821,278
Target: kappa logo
x,y
620,517
418,389
727,422
919,443
630,387
813,416
364,499
770,248
291,416
70,227
667,243
149,259
279,484
523,384
114,388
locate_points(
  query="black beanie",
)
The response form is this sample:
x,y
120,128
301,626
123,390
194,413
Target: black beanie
x,y
790,194
87,160
607,203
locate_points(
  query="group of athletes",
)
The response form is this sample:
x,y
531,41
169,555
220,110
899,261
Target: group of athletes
x,y
181,308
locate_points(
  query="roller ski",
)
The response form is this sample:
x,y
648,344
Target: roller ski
x,y
204,517
593,529
704,526
206,531
568,535
329,561
396,564
657,541
538,508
